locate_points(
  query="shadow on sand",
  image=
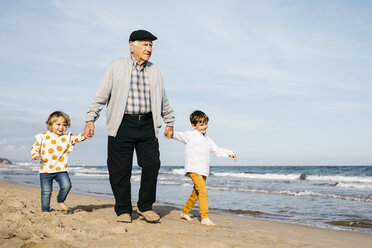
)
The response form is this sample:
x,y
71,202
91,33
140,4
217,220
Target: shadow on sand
x,y
90,208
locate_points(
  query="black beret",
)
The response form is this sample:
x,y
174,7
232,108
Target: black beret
x,y
141,35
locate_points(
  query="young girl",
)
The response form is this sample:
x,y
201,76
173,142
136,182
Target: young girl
x,y
52,149
198,148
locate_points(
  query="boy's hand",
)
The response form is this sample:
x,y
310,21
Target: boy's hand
x,y
233,156
37,158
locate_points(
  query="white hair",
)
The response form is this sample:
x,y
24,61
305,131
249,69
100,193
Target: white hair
x,y
135,43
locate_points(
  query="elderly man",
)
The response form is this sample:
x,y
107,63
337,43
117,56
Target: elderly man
x,y
134,92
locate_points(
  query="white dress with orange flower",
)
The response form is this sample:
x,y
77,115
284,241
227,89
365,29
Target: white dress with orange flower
x,y
54,150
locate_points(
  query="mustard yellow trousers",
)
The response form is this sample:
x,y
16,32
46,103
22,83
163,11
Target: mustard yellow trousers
x,y
199,192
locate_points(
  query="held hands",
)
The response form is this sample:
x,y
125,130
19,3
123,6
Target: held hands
x,y
233,156
89,130
168,132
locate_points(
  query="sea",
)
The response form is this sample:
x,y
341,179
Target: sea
x,y
331,197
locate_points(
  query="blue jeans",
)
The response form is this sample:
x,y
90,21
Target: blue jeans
x,y
46,183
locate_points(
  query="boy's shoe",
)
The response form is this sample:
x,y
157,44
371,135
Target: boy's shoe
x,y
126,218
207,222
185,217
150,216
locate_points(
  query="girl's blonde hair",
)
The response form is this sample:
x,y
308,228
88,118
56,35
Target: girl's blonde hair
x,y
54,116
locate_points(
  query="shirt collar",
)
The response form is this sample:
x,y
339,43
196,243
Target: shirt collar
x,y
50,133
203,134
135,63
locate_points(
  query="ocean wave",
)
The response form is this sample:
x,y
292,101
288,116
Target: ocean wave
x,y
291,193
136,178
87,172
92,171
340,178
176,172
180,172
187,185
19,169
82,174
354,185
168,183
258,176
25,163
273,176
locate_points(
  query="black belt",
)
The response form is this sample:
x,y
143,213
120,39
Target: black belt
x,y
139,116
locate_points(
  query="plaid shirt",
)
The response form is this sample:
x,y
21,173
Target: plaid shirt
x,y
139,99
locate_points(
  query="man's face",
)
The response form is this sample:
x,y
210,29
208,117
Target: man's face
x,y
141,50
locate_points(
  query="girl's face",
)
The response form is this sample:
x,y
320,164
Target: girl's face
x,y
59,127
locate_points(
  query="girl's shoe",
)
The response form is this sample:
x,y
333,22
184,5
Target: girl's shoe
x,y
207,222
185,216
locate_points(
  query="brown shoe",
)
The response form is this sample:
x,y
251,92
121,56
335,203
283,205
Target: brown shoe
x,y
150,216
126,218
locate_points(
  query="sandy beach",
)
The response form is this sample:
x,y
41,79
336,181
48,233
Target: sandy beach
x,y
91,222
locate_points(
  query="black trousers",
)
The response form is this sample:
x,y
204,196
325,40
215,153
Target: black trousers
x,y
134,134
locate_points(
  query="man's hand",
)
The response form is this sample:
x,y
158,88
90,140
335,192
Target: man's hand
x,y
168,132
89,130
233,156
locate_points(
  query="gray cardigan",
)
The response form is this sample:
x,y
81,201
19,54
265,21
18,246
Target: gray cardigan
x,y
114,90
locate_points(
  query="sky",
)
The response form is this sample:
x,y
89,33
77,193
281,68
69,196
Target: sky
x,y
284,82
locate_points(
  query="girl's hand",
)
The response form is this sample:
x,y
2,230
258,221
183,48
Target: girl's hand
x,y
37,158
233,156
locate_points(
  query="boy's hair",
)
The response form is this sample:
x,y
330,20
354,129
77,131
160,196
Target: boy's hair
x,y
198,116
54,116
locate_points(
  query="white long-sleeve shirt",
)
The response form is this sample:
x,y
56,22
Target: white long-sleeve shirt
x,y
198,148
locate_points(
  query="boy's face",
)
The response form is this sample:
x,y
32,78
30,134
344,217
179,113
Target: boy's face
x,y
201,127
59,127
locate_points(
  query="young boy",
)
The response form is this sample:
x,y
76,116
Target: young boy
x,y
198,147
